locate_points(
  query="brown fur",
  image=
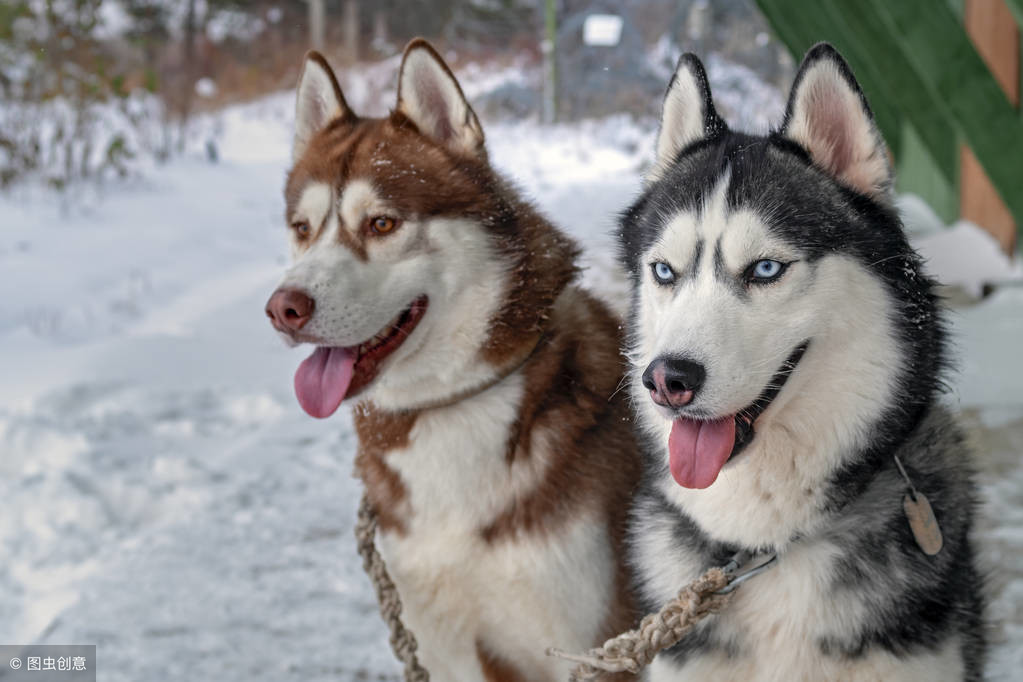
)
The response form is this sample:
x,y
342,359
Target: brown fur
x,y
573,404
380,432
568,404
496,669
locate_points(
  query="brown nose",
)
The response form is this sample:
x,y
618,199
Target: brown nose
x,y
289,310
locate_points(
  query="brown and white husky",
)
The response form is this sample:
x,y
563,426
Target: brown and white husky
x,y
492,443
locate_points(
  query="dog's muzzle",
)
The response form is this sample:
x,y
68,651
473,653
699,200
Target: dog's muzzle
x,y
748,416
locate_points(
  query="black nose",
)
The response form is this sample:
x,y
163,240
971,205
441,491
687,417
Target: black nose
x,y
673,381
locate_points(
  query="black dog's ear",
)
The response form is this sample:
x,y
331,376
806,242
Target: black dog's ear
x,y
429,95
828,116
318,101
688,114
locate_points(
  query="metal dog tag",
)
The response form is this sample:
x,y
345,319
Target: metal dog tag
x,y
922,522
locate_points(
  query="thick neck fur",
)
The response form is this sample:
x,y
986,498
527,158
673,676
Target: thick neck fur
x,y
527,463
563,395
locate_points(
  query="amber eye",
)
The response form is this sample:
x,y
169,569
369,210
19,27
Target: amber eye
x,y
302,229
382,224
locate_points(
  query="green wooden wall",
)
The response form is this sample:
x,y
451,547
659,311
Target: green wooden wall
x,y
928,86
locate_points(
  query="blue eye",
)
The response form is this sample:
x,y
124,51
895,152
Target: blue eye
x,y
766,270
663,273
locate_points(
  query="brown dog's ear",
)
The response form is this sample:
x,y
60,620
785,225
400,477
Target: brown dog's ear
x,y
431,98
688,114
829,117
318,101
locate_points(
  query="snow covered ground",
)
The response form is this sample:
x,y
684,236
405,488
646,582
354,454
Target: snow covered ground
x,y
164,496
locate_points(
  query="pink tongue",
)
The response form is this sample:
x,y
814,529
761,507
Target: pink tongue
x,y
697,450
322,380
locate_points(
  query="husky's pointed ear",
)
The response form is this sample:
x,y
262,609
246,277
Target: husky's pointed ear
x,y
318,101
688,113
828,116
431,98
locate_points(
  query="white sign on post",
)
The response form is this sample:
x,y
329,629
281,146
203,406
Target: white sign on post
x,y
602,30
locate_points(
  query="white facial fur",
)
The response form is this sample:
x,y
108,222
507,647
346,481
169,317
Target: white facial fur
x,y
703,320
828,404
446,259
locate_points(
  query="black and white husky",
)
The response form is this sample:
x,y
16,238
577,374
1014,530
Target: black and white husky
x,y
786,353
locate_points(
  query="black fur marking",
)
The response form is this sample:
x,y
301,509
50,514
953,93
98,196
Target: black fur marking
x,y
937,596
720,271
693,268
722,275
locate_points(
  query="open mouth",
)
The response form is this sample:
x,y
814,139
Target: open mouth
x,y
698,449
333,373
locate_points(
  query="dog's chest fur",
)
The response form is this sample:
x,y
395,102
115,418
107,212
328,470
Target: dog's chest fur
x,y
502,514
774,627
854,599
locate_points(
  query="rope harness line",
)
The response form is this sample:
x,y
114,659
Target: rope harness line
x,y
628,652
403,642
633,650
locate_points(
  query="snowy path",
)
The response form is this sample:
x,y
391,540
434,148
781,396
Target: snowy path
x,y
166,498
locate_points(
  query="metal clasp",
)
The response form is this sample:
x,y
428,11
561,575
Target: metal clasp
x,y
743,566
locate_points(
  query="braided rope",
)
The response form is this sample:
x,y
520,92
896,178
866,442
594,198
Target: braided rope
x,y
633,650
403,642
628,652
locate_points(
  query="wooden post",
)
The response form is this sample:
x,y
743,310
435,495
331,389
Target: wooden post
x,y
351,29
994,33
550,58
317,24
381,37
188,73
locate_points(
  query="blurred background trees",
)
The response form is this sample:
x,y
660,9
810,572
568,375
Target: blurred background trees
x,y
91,87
